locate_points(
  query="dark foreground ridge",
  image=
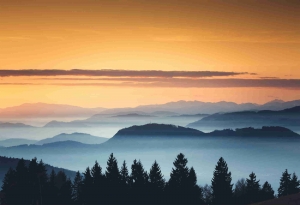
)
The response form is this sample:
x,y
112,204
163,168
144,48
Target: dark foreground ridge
x,y
32,183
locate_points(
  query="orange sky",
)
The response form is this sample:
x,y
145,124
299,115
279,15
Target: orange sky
x,y
261,37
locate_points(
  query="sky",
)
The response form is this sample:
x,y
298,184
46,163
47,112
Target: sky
x,y
125,53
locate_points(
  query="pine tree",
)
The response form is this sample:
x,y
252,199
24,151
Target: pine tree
x,y
253,189
113,179
193,191
175,188
221,184
77,189
124,184
294,185
156,178
285,181
52,189
22,181
138,183
156,184
87,187
267,192
124,175
8,187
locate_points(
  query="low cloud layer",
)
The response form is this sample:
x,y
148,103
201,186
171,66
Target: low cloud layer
x,y
118,73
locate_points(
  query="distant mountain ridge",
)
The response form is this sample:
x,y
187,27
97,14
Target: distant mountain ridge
x,y
286,118
77,137
163,130
46,110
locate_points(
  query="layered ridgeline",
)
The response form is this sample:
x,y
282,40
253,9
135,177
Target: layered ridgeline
x,y
289,118
152,136
265,149
6,163
75,137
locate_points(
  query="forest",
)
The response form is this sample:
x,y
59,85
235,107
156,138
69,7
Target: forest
x,y
116,185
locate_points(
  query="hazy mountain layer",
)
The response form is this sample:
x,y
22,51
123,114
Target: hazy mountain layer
x,y
287,118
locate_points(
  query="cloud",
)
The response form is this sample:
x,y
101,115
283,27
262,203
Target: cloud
x,y
174,82
119,73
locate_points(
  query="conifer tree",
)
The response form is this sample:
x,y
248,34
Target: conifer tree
x,y
22,181
294,185
156,184
87,187
52,189
77,189
221,184
113,179
175,188
194,192
267,192
253,189
124,175
124,184
285,181
139,183
8,187
98,183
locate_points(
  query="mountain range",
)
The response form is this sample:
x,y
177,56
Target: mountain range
x,y
76,137
289,118
44,110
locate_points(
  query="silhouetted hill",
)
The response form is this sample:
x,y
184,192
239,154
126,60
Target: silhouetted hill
x,y
77,137
55,123
252,132
286,118
132,115
16,142
13,125
156,130
6,163
44,110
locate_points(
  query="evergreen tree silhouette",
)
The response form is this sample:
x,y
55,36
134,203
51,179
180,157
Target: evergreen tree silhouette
x,y
113,180
294,185
139,183
156,185
77,189
253,189
52,190
21,189
285,181
221,184
194,192
98,183
87,187
8,187
124,184
175,188
65,193
267,192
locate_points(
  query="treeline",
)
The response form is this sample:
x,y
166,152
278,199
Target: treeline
x,y
115,185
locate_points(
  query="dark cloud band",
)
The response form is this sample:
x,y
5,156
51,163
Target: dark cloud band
x,y
118,73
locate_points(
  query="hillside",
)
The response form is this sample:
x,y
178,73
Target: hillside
x,y
16,142
77,137
6,163
285,118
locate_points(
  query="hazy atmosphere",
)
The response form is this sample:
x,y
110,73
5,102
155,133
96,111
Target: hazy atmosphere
x,y
200,98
